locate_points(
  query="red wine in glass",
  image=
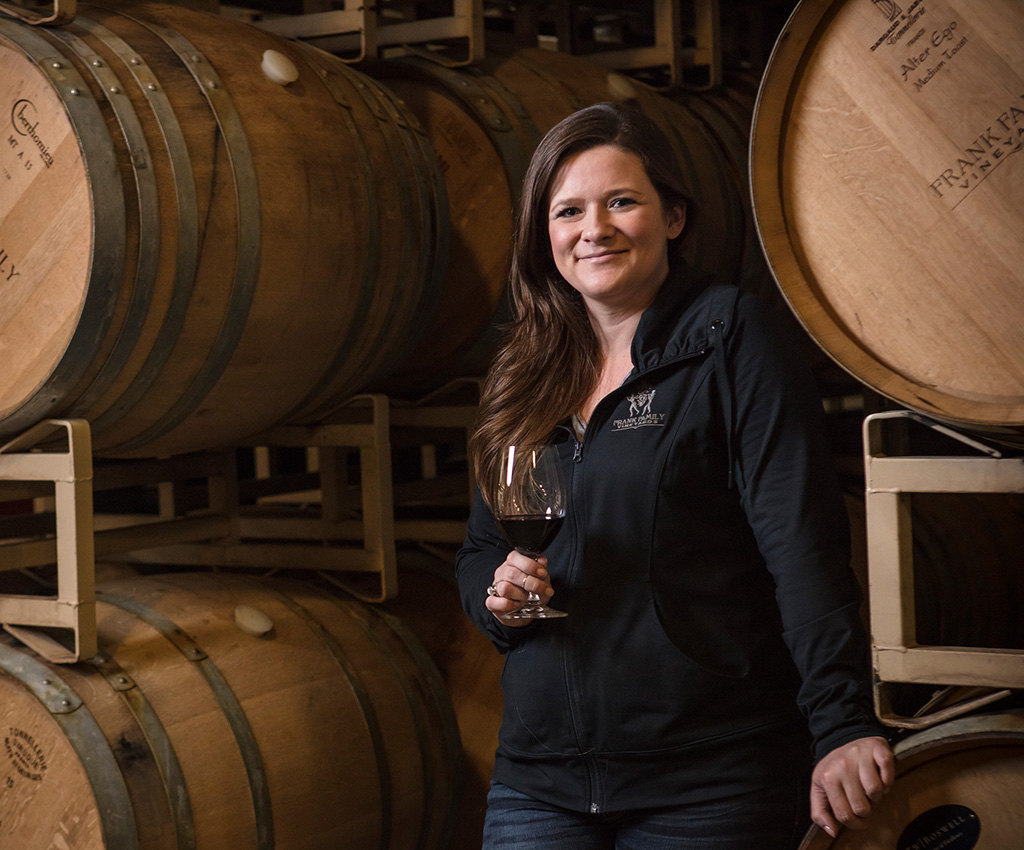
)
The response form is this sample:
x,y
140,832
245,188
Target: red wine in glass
x,y
530,534
530,509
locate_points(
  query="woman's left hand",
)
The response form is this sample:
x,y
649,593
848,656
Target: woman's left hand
x,y
520,579
849,782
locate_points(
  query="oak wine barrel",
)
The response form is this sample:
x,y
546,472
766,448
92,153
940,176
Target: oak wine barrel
x,y
193,249
428,604
726,113
888,190
226,711
959,786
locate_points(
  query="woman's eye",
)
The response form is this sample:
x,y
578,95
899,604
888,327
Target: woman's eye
x,y
567,212
622,202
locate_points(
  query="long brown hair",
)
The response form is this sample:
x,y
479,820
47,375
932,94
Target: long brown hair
x,y
548,361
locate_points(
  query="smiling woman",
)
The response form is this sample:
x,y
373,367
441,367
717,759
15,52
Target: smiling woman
x,y
703,559
609,230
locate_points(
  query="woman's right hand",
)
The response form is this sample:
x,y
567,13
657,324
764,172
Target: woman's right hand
x,y
517,577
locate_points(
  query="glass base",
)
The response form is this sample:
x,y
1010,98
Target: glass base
x,y
534,612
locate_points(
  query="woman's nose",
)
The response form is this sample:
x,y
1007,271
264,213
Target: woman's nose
x,y
597,226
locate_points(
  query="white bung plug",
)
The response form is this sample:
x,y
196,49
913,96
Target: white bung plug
x,y
252,621
620,87
279,68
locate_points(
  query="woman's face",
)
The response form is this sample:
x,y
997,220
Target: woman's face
x,y
609,230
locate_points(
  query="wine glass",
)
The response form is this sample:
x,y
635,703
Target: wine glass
x,y
529,509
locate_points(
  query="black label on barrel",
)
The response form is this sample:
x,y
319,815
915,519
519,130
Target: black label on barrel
x,y
899,21
25,754
8,271
1001,137
25,122
950,827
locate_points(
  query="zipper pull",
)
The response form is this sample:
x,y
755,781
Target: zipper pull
x,y
577,453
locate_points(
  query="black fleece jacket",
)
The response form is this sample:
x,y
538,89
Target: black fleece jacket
x,y
704,565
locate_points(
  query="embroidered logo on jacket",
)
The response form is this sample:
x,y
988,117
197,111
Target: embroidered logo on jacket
x,y
640,415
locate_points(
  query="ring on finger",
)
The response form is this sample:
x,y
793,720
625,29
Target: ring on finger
x,y
524,582
492,590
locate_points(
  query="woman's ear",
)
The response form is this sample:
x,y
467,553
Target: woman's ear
x,y
675,220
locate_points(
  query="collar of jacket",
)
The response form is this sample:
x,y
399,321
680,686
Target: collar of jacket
x,y
689,315
679,321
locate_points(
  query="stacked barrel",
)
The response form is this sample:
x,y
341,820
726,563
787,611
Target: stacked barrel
x,y
224,712
206,230
196,249
887,189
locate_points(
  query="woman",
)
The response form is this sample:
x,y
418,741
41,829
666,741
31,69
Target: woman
x,y
703,563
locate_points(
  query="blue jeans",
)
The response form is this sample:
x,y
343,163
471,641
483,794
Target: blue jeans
x,y
773,820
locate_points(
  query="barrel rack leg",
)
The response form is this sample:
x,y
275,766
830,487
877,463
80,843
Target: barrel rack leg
x,y
360,31
668,52
375,425
74,606
347,536
897,656
370,433
220,533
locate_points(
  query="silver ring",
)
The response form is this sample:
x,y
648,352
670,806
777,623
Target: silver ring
x,y
492,591
524,582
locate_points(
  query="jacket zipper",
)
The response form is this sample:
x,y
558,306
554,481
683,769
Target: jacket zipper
x,y
568,655
577,476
